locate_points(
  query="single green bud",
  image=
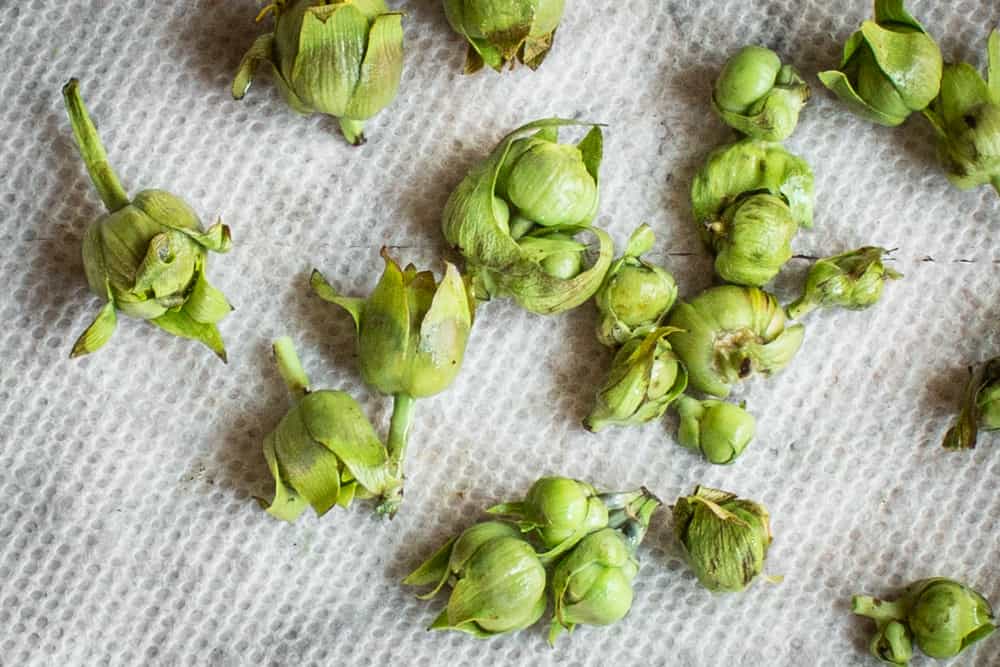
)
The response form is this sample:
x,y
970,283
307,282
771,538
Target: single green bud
x,y
514,216
727,333
502,32
725,538
559,510
719,430
343,58
592,584
980,407
636,295
497,581
147,256
324,452
749,199
412,331
966,116
646,377
942,615
758,96
852,280
891,67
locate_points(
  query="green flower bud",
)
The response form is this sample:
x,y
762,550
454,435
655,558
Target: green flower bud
x,y
635,295
966,115
497,580
943,616
338,57
593,583
727,333
719,430
559,510
749,199
758,96
412,331
725,538
513,218
147,257
324,452
980,407
891,67
646,377
851,280
501,32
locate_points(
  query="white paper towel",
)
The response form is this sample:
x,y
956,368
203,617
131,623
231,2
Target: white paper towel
x,y
128,533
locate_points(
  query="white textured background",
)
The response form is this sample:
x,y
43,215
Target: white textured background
x,y
128,532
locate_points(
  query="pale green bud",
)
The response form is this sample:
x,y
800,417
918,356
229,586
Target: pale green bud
x,y
758,96
646,377
515,215
147,256
324,452
719,430
980,407
502,32
852,280
497,581
636,295
725,538
338,57
891,67
728,333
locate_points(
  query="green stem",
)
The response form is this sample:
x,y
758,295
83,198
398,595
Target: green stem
x,y
877,609
800,307
354,130
89,142
399,430
291,368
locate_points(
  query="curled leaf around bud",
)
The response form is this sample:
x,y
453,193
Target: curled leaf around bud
x,y
147,257
852,280
324,452
758,96
890,68
943,616
727,333
343,58
498,581
515,216
636,295
560,511
719,430
505,32
646,377
966,117
726,538
980,409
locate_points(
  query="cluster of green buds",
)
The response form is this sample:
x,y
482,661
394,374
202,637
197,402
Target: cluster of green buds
x,y
726,538
324,452
727,333
646,377
147,256
338,57
412,333
749,200
966,116
501,32
852,280
980,407
635,295
891,67
499,579
717,429
758,96
942,615
515,215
